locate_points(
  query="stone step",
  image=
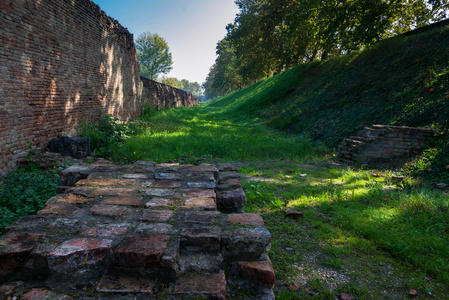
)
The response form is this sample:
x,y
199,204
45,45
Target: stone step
x,y
120,230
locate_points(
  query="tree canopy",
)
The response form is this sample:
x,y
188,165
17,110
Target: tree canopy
x,y
269,36
153,55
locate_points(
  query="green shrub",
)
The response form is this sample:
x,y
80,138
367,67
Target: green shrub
x,y
24,191
107,133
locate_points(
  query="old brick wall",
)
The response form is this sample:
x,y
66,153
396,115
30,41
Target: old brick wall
x,y
160,95
61,62
381,142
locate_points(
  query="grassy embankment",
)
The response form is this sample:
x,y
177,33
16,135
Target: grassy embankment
x,y
362,234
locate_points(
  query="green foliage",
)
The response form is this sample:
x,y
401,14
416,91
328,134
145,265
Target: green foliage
x,y
153,55
269,36
399,81
24,191
107,134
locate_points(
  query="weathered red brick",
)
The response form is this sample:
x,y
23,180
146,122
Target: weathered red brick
x,y
199,193
259,272
78,252
160,202
43,294
201,203
105,182
122,284
123,201
107,230
15,249
140,250
246,219
211,286
156,215
154,228
113,192
166,184
203,217
107,210
207,238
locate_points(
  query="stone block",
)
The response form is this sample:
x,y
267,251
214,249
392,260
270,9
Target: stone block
x,y
200,203
135,176
246,219
204,168
106,182
165,184
74,173
140,251
107,230
258,272
229,184
108,191
156,216
201,263
201,176
158,192
72,199
74,147
167,176
225,167
199,193
15,248
133,201
43,294
202,217
207,238
123,284
107,210
58,209
223,176
154,228
245,243
212,286
232,201
77,262
160,202
7,289
201,185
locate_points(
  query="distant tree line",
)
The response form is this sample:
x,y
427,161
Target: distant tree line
x,y
269,36
191,87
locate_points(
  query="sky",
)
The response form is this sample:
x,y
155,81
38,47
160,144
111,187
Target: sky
x,y
191,28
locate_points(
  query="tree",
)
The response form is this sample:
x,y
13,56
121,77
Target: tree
x,y
153,55
269,36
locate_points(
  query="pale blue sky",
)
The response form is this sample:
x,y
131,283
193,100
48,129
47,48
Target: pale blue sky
x,y
191,28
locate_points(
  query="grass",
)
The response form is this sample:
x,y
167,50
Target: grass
x,y
356,223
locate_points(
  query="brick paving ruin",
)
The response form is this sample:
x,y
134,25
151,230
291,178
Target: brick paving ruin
x,y
139,231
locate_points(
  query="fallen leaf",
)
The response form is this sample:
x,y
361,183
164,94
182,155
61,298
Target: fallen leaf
x,y
386,197
344,296
293,287
300,268
413,292
376,175
288,176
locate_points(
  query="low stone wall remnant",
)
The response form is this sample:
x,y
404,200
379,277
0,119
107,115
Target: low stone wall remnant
x,y
140,231
382,142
